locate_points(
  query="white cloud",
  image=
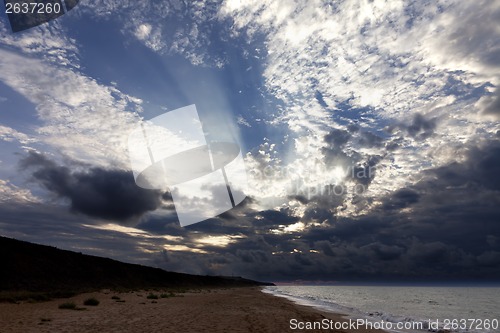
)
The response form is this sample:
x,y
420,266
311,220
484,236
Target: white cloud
x,y
218,241
151,37
143,31
10,193
47,42
242,121
390,59
81,119
152,22
466,37
393,58
10,134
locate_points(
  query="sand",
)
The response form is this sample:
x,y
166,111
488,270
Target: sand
x,y
216,310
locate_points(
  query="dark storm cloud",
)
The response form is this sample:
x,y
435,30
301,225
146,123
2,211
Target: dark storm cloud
x,y
319,214
385,252
252,256
277,217
444,227
364,173
55,226
165,225
420,128
489,258
337,138
482,169
361,171
367,139
333,152
401,199
109,194
491,104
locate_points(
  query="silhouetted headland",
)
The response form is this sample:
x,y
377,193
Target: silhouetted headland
x,y
31,267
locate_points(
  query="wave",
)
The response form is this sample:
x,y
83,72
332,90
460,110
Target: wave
x,y
354,313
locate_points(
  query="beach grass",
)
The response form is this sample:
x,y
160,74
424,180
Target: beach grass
x,y
67,306
91,302
152,296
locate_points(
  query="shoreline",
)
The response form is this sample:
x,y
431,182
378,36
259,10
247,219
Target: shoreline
x,y
245,309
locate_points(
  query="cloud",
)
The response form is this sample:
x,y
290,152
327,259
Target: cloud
x,y
143,31
10,193
46,41
421,128
462,44
184,28
242,121
337,138
401,198
341,74
10,134
443,227
490,104
80,118
96,192
367,66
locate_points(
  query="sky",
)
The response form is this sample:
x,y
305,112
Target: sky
x,y
369,131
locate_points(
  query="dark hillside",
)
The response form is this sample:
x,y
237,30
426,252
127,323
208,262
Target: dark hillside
x,y
30,267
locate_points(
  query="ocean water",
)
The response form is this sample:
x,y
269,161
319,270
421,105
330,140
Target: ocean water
x,y
479,306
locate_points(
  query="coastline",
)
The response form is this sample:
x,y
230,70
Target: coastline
x,y
245,309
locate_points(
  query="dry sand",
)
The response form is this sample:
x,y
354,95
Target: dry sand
x,y
216,310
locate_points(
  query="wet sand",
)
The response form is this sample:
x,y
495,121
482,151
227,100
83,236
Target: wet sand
x,y
216,310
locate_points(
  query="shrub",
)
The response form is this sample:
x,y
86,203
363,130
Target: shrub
x,y
115,297
152,296
91,302
68,306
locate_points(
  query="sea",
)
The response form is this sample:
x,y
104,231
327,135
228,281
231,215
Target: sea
x,y
415,308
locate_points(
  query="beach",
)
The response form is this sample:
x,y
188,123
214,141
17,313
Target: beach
x,y
211,310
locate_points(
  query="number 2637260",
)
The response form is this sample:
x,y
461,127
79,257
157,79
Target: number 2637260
x,y
32,8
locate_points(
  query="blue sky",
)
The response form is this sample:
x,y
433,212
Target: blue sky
x,y
317,92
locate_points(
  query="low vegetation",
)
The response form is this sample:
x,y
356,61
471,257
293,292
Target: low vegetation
x,y
152,296
91,302
68,306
